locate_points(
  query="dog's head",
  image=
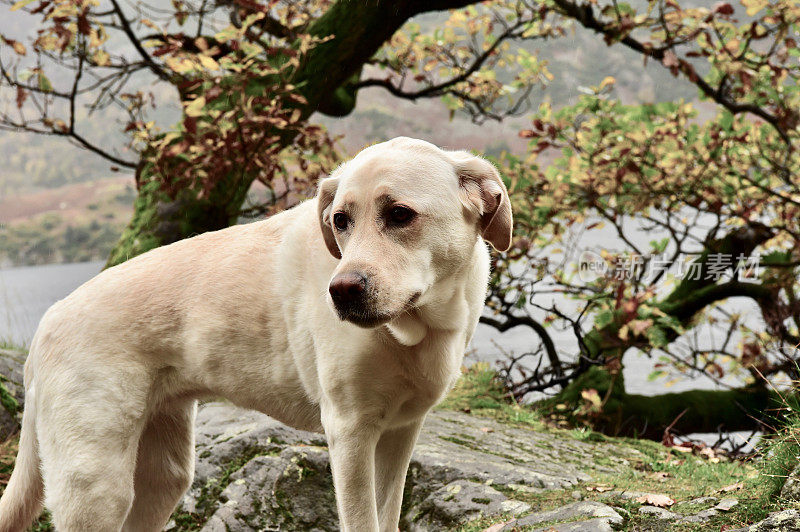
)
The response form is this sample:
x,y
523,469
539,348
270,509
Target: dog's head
x,y
402,216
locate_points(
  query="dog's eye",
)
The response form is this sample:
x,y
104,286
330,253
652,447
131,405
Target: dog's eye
x,y
340,220
400,215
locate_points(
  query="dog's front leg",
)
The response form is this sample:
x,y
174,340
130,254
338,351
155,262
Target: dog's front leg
x,y
392,456
351,443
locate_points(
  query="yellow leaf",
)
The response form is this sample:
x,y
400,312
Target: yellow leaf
x,y
18,47
754,6
20,4
592,397
608,80
208,62
101,57
195,107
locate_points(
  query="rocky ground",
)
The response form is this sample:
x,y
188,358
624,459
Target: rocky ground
x,y
472,473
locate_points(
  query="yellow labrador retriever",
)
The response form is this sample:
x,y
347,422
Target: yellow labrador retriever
x,y
347,314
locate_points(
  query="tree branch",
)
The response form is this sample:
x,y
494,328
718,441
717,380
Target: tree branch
x,y
440,89
515,321
126,27
585,16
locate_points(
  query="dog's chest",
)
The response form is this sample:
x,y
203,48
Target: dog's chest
x,y
428,374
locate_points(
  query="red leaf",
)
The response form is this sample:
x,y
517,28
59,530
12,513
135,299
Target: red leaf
x,y
83,24
723,8
22,95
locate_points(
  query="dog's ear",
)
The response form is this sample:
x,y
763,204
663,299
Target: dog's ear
x,y
483,192
325,194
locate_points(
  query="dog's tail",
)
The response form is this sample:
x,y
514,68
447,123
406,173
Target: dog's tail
x,y
21,502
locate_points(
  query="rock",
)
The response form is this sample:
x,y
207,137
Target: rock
x,y
253,473
785,521
292,491
226,438
726,504
596,513
700,517
626,495
791,488
12,391
702,501
659,513
459,501
592,525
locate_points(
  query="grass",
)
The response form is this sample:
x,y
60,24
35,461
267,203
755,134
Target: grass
x,y
656,469
480,392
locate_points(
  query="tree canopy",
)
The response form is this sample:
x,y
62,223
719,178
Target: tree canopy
x,y
696,202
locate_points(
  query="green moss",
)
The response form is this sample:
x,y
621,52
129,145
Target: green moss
x,y
138,236
208,500
458,441
8,402
477,389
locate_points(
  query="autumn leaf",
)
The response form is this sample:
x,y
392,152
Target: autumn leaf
x,y
592,397
208,62
21,4
22,95
44,82
599,488
754,6
731,487
660,476
670,60
195,107
656,499
608,80
18,47
723,8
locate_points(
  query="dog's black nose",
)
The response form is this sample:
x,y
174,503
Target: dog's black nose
x,y
348,289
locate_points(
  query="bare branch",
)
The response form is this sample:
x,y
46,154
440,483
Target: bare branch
x,y
126,27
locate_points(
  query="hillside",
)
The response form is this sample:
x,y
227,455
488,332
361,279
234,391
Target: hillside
x,y
72,223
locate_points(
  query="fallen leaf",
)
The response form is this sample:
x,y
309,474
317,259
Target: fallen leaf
x,y
600,488
661,476
681,448
656,499
732,487
487,429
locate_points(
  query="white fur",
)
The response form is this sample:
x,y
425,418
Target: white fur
x,y
244,314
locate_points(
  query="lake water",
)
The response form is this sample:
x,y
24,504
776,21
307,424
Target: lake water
x,y
27,292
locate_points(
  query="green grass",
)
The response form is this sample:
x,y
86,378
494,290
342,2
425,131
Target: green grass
x,y
655,468
480,392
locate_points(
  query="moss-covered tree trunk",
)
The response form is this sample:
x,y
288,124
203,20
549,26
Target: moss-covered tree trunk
x,y
641,416
699,411
357,29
